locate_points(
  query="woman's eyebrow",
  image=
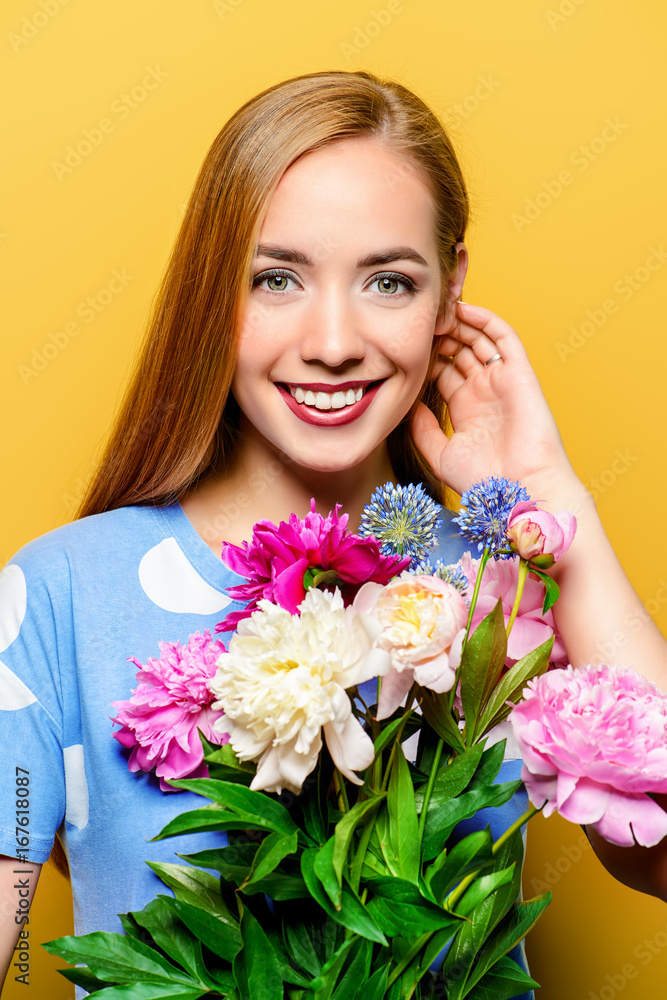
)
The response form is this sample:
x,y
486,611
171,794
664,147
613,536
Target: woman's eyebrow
x,y
370,260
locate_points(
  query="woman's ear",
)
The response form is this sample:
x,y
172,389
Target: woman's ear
x,y
452,292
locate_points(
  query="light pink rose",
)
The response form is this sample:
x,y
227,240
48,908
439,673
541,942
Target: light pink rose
x,y
594,742
531,627
539,536
160,723
423,621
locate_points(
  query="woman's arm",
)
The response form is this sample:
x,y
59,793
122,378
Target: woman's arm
x,y
18,880
503,426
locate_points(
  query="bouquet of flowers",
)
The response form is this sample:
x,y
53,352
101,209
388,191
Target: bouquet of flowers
x,y
349,739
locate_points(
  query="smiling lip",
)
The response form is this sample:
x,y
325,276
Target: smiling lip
x,y
329,387
330,418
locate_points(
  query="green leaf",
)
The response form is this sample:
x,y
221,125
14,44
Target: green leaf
x,y
117,958
452,777
84,977
357,970
171,935
471,854
191,885
505,980
403,826
483,887
224,764
263,811
386,734
352,914
512,684
256,969
324,869
300,947
374,988
398,906
272,850
221,935
508,933
439,826
552,591
489,766
149,991
481,665
441,720
345,829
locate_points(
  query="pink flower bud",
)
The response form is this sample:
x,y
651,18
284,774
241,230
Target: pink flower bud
x,y
539,536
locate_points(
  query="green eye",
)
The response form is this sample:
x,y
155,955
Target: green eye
x,y
388,285
277,282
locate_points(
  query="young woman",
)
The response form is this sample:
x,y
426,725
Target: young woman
x,y
306,340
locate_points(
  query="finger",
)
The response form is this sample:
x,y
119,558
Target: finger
x,y
447,376
473,355
473,319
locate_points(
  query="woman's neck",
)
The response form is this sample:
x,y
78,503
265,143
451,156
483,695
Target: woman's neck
x,y
260,485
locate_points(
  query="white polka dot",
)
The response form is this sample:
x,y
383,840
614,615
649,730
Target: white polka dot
x,y
76,787
13,601
172,582
13,692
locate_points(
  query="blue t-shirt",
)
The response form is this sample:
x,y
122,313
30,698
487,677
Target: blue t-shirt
x,y
74,604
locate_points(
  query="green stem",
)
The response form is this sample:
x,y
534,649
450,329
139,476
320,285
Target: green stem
x,y
366,834
429,787
478,583
341,791
397,738
523,573
408,957
454,896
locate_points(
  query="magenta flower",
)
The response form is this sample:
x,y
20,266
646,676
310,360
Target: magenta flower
x,y
594,742
531,627
160,722
275,561
539,536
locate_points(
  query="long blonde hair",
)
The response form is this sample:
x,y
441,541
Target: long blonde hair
x,y
178,421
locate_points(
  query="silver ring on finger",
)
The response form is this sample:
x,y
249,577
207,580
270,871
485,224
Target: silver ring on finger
x,y
494,357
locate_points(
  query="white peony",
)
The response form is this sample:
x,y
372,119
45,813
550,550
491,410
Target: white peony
x,y
283,683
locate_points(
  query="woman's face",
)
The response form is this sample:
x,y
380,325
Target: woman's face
x,y
339,325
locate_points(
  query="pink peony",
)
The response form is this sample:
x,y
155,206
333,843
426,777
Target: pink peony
x,y
594,742
531,627
423,621
539,536
160,722
275,562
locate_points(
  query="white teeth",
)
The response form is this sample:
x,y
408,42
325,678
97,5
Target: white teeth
x,y
323,401
327,400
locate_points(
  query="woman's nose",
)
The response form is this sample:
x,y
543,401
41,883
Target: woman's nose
x,y
331,332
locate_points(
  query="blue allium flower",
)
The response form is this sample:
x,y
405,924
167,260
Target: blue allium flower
x,y
485,509
404,520
449,572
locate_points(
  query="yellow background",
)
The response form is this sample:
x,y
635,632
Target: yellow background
x,y
524,86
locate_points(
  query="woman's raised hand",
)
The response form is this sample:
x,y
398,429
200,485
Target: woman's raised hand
x,y
501,420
